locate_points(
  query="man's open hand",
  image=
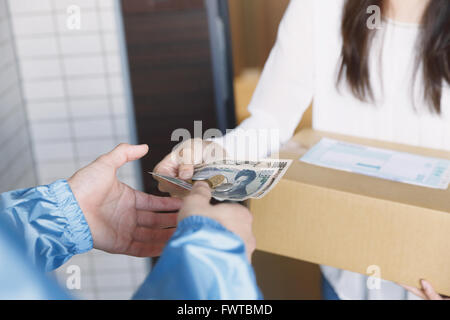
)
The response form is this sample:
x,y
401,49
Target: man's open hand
x,y
123,220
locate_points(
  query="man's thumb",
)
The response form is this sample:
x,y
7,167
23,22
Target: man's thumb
x,y
124,153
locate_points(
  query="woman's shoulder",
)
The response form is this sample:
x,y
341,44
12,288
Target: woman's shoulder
x,y
316,7
323,13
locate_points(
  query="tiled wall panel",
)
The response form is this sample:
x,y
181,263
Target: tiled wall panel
x,y
74,95
16,158
72,82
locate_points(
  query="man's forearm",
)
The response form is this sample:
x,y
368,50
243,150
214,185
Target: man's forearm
x,y
50,221
203,260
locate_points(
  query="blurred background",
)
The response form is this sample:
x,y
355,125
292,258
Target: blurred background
x,y
77,77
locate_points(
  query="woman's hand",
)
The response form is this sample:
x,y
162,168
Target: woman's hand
x,y
426,292
123,220
180,163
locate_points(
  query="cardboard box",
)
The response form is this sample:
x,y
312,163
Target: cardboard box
x,y
352,221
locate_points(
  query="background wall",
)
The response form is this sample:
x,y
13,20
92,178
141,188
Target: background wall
x,y
74,103
169,50
254,27
16,160
72,83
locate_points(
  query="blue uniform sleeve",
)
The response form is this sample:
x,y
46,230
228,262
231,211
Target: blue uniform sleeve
x,y
203,260
20,279
50,221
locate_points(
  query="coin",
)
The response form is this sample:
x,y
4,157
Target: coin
x,y
199,178
224,187
216,181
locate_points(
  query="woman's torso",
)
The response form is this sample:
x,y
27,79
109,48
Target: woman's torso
x,y
399,114
394,116
303,65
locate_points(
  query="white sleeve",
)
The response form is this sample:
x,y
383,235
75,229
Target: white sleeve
x,y
284,91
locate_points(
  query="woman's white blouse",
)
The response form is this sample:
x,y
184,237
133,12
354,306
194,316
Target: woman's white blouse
x,y
303,67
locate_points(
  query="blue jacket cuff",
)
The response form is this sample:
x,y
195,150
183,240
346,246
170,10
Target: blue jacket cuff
x,y
194,223
77,230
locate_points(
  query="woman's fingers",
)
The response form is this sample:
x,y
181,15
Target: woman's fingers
x,y
172,189
429,291
168,166
415,291
156,220
180,163
185,171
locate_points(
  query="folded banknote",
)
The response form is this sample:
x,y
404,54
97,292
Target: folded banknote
x,y
235,180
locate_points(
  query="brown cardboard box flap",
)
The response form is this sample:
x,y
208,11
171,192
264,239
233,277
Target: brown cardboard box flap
x,y
352,221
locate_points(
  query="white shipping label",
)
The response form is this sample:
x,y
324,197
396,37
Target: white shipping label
x,y
380,163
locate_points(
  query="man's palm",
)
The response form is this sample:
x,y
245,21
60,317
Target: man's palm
x,y
121,219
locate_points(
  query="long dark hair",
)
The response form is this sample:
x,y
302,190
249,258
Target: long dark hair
x,y
433,56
